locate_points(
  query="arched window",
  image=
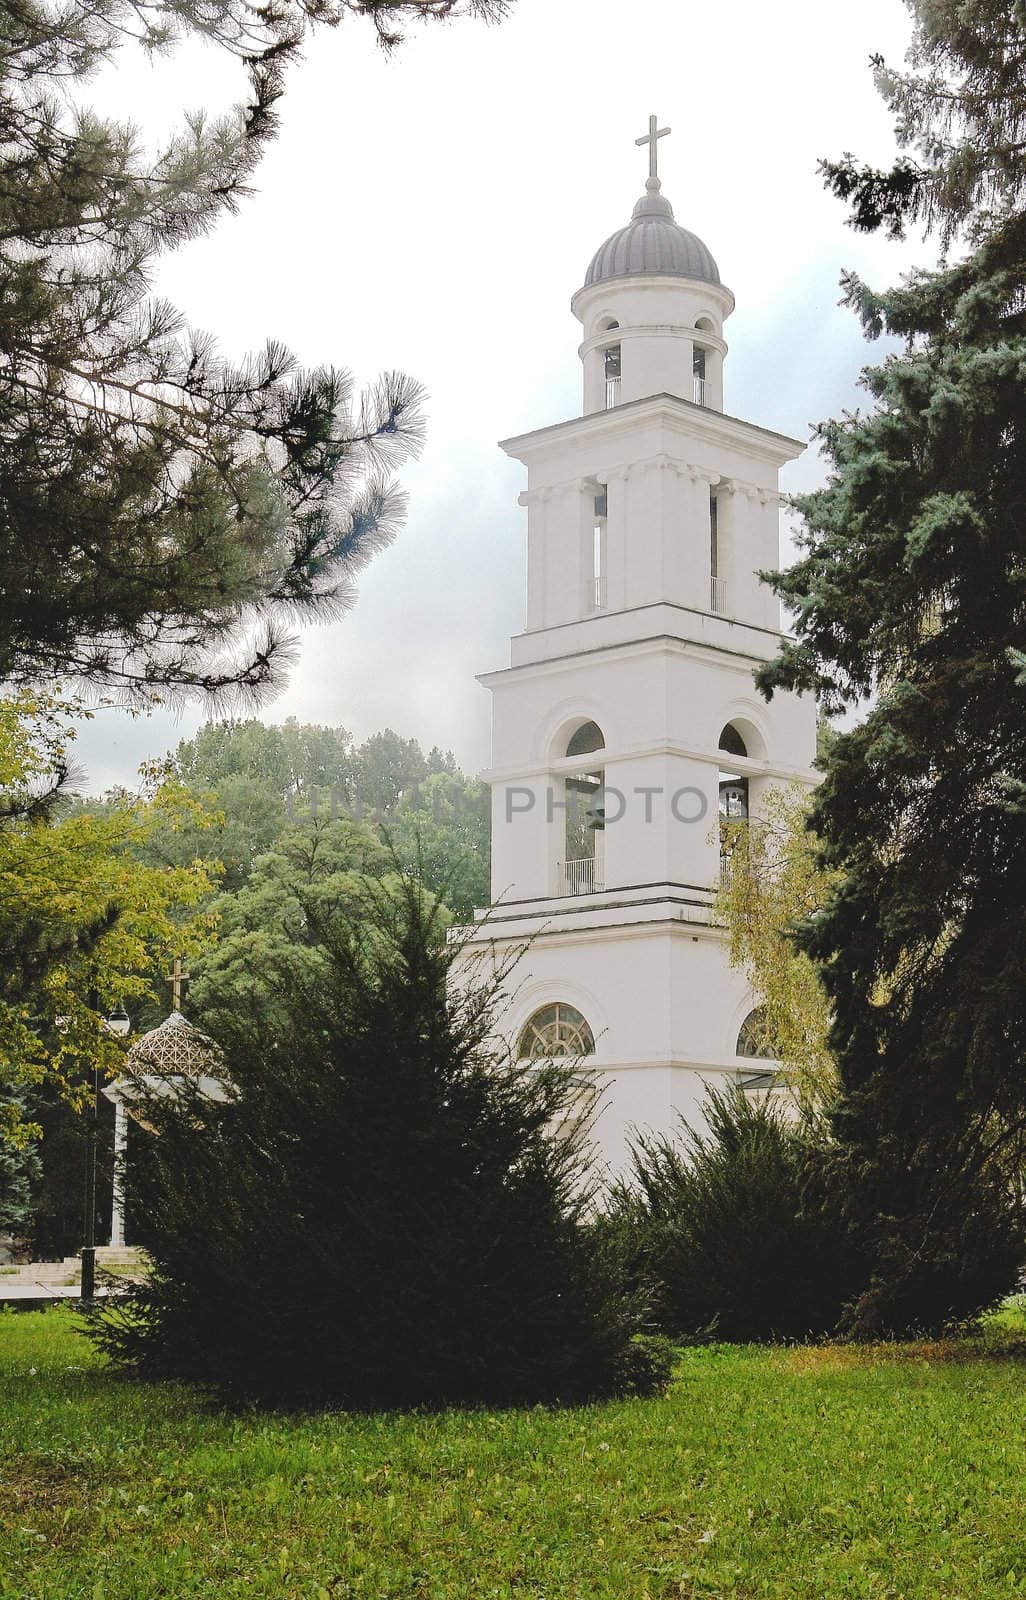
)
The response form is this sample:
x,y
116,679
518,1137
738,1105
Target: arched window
x,y
754,1040
585,739
580,871
706,324
698,367
733,804
556,1030
613,369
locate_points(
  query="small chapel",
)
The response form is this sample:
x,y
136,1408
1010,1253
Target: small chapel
x,y
627,722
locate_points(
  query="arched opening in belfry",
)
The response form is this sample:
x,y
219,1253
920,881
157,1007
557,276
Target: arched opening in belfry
x,y
733,805
581,870
585,739
613,371
698,368
702,363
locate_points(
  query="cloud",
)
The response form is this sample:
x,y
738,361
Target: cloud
x,y
434,211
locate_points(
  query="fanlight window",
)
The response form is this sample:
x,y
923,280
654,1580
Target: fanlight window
x,y
732,742
754,1039
556,1030
588,737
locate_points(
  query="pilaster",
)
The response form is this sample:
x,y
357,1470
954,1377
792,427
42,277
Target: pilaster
x,y
616,538
536,502
695,538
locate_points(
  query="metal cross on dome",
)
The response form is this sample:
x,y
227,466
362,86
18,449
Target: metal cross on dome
x,y
650,138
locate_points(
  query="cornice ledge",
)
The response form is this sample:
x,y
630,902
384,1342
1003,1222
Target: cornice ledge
x,y
545,666
682,414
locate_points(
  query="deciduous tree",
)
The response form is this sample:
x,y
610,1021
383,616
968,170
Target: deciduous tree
x,y
775,886
84,922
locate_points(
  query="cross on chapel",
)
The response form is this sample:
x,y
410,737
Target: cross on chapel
x,y
654,133
179,977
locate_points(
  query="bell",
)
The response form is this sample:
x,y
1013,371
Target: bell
x,y
734,799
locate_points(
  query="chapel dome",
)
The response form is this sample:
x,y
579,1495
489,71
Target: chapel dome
x,y
176,1048
652,242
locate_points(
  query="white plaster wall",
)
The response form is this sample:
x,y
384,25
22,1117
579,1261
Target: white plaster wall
x,y
658,471
664,1006
661,707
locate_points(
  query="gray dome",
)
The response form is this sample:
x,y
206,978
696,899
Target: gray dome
x,y
652,242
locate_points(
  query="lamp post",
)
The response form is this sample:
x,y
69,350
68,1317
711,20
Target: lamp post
x,y
117,1023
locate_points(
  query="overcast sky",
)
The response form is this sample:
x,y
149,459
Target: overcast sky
x,y
435,210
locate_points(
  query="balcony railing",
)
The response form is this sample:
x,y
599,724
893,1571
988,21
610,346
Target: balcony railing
x,y
718,594
612,393
579,877
703,392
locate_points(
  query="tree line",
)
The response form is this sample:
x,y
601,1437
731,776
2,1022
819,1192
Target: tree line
x,y
240,858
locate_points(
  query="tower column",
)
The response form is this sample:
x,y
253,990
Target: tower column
x,y
759,598
535,501
587,521
673,518
730,504
560,553
644,565
527,831
696,538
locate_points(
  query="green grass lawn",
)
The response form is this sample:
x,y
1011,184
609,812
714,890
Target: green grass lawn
x,y
898,1472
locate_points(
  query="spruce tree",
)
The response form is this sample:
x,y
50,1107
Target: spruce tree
x,y
163,512
911,589
385,1214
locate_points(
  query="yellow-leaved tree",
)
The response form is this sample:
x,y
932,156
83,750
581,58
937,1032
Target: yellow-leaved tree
x,y
774,882
85,921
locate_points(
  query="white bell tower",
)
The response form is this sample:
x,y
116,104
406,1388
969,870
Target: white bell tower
x,y
627,719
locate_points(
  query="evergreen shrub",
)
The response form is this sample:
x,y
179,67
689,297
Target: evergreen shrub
x,y
732,1229
384,1215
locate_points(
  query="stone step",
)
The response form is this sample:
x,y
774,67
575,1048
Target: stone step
x,y
33,1296
116,1258
45,1272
